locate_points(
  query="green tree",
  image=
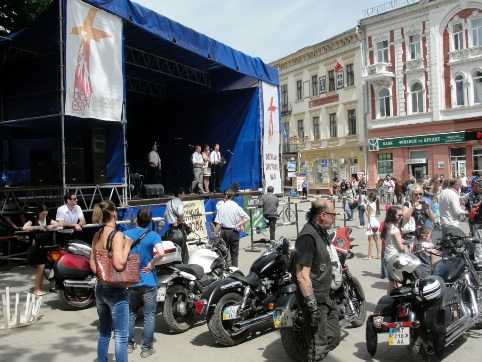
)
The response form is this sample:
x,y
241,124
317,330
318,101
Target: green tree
x,y
19,14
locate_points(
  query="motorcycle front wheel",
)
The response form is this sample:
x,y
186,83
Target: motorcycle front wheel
x,y
178,312
222,330
295,340
74,298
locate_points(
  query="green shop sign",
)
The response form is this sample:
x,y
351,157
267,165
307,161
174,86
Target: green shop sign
x,y
376,144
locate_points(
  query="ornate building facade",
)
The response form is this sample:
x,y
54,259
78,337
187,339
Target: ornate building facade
x,y
422,74
323,131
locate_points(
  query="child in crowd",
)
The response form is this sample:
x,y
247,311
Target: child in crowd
x,y
427,255
436,211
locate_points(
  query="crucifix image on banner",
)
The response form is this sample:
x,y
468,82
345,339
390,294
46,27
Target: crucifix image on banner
x,y
93,60
271,134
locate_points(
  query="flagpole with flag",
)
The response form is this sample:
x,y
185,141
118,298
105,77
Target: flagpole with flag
x,y
338,67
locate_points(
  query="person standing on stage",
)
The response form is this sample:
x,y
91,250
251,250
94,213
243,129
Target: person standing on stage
x,y
229,218
206,167
154,171
197,164
270,203
216,167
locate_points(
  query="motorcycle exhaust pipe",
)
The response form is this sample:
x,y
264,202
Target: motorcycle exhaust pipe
x,y
71,283
254,321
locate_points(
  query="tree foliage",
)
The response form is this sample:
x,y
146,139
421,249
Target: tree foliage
x,y
19,14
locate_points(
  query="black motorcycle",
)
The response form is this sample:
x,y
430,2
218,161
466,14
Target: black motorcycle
x,y
231,306
349,297
429,313
442,325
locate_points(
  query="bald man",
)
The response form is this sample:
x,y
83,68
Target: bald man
x,y
313,276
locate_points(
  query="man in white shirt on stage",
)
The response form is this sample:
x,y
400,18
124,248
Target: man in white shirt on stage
x,y
154,171
216,167
197,170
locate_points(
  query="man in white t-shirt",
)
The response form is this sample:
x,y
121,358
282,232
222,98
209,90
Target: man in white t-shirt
x,y
388,187
70,215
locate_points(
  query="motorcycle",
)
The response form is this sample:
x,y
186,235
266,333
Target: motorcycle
x,y
233,305
181,285
349,297
429,313
460,272
68,268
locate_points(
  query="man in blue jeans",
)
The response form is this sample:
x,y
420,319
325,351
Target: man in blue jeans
x,y
145,292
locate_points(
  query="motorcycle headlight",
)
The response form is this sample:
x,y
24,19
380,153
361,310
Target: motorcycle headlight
x,y
340,242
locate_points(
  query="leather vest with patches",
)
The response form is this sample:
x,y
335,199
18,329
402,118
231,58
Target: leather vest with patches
x,y
320,273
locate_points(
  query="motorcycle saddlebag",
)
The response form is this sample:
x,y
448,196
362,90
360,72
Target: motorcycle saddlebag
x,y
288,297
449,301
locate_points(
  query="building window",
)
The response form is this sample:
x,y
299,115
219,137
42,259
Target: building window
x,y
301,131
299,90
476,25
284,98
477,160
382,51
459,90
351,122
458,36
350,75
314,85
477,82
384,99
385,164
331,81
417,98
316,128
333,128
414,47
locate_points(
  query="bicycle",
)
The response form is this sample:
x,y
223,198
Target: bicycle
x,y
286,212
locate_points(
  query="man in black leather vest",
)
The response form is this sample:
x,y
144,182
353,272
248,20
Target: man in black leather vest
x,y
313,275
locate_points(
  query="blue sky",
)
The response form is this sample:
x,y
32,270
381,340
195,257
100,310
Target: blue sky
x,y
269,29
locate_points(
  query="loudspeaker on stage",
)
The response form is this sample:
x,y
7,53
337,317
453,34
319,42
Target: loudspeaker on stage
x,y
154,190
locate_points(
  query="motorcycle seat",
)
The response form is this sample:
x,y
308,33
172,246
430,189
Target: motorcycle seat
x,y
401,291
193,269
251,279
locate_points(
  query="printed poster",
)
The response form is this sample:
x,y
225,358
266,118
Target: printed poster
x,y
271,117
94,85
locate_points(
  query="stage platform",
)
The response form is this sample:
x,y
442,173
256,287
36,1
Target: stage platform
x,y
165,198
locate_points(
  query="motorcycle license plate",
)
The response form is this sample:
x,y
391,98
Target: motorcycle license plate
x,y
230,312
282,318
161,293
399,336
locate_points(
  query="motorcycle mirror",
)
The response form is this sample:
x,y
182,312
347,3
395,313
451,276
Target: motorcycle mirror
x,y
160,224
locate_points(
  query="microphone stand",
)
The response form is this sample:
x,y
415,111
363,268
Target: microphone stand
x,y
230,169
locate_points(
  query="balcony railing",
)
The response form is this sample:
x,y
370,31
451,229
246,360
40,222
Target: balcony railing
x,y
378,73
286,109
290,148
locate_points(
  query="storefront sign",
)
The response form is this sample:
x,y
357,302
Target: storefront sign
x,y
412,141
416,161
316,155
324,100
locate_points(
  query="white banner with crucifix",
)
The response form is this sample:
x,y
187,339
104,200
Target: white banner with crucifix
x,y
271,117
93,63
